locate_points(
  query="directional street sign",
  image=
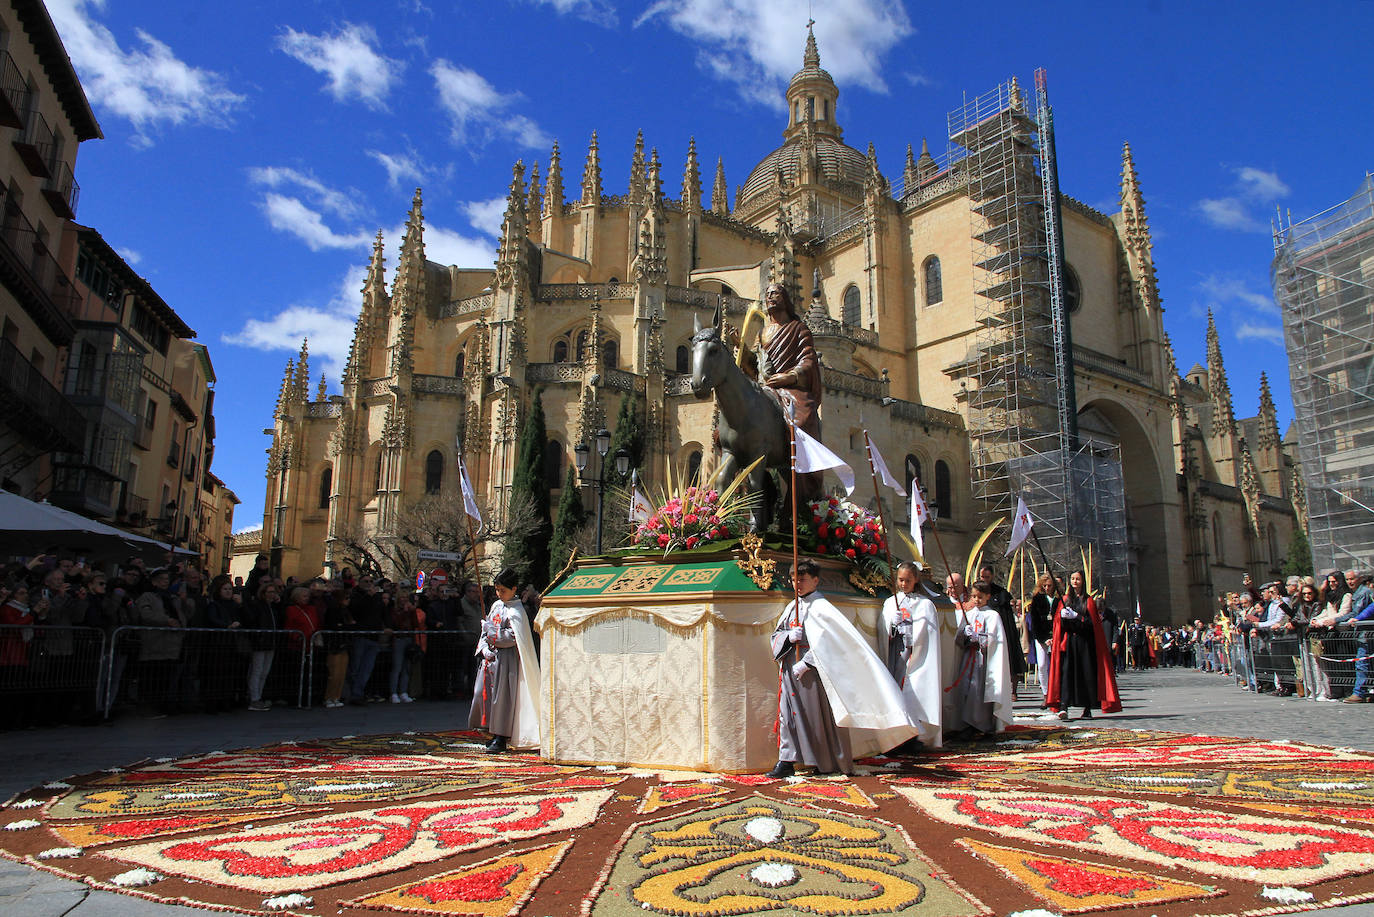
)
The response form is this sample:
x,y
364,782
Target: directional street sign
x,y
438,556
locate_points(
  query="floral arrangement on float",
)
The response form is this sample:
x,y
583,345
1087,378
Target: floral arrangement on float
x,y
835,527
690,515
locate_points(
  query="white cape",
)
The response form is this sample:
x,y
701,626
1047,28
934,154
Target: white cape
x,y
525,732
997,681
921,691
862,694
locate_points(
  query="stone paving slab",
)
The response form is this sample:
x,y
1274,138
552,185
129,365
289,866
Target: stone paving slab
x,y
1169,699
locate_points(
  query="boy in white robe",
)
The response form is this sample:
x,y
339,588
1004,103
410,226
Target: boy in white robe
x,y
982,697
836,700
911,632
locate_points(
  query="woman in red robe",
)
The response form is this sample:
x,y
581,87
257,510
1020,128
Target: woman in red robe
x,y
1081,671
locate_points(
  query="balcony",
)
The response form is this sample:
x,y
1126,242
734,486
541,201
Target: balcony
x,y
12,92
33,406
34,144
61,191
133,509
35,277
143,436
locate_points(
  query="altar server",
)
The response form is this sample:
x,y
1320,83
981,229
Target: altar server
x,y
505,700
911,632
981,693
836,701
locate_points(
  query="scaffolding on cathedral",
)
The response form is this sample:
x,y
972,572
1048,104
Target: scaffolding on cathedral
x,y
1323,275
1017,381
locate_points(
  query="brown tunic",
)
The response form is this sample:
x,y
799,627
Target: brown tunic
x,y
790,349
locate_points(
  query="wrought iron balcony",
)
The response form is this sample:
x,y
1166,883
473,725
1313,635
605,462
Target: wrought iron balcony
x,y
12,92
35,277
62,190
34,143
33,406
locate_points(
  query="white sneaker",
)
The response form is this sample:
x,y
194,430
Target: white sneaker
x,y
407,699
331,704
395,698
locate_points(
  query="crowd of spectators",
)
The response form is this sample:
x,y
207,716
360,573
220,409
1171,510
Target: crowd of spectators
x,y
79,644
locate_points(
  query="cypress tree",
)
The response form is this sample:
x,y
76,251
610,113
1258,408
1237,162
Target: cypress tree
x,y
628,435
572,518
530,556
1299,559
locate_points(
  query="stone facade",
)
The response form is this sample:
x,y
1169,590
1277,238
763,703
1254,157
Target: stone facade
x,y
594,297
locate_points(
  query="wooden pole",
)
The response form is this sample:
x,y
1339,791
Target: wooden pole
x,y
796,549
472,539
935,530
882,518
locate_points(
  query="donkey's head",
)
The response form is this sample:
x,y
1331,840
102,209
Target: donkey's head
x,y
709,356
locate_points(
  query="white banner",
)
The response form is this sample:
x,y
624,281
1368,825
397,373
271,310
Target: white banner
x,y
880,466
1021,525
813,456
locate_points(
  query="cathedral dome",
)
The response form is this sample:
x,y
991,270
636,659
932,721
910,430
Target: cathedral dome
x,y
813,147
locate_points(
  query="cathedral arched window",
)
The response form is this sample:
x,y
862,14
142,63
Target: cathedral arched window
x,y
913,472
434,471
326,486
1217,543
935,285
581,345
944,494
460,363
1073,290
610,354
1274,559
683,363
553,464
560,351
694,466
377,473
852,313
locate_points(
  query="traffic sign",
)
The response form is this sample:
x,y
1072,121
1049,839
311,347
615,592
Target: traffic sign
x,y
438,576
439,556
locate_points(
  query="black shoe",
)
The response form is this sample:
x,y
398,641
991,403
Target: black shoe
x,y
498,745
1087,714
782,770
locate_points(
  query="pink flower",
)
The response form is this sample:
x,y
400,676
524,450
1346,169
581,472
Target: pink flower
x,y
663,541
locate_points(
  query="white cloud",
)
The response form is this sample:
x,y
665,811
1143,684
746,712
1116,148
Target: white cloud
x,y
600,12
1253,188
148,86
1260,332
329,321
341,203
129,255
485,216
400,165
479,111
1227,288
349,58
758,44
291,215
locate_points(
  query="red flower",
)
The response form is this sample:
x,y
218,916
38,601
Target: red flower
x,y
834,502
815,520
663,541
849,552
839,531
823,549
691,541
714,520
691,519
824,530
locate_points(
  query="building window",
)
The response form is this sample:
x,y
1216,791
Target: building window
x,y
944,494
560,351
150,414
610,354
1073,290
460,363
913,472
935,287
553,464
684,365
326,487
434,471
1217,543
852,314
581,345
694,466
1274,559
377,473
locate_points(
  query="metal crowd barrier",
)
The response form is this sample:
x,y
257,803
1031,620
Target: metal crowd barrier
x,y
1277,662
1333,652
444,668
180,669
50,658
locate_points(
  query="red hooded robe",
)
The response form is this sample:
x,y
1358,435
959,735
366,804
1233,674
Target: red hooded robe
x,y
1108,698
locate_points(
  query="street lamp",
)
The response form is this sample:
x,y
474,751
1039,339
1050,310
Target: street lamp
x,y
582,455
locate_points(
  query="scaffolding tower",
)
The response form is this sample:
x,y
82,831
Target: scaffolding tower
x,y
1323,277
1018,381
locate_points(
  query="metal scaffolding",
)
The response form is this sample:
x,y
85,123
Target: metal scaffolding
x,y
1323,277
1018,381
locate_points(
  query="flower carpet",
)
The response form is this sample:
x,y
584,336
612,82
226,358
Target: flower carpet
x,y
1041,819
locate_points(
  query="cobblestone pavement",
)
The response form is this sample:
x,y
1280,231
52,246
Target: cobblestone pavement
x,y
1177,700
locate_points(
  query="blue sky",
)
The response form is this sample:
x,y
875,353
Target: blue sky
x,y
252,150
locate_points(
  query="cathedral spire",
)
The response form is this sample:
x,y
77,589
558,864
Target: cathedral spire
x,y
302,384
720,192
1224,418
653,183
513,228
322,392
591,175
811,57
691,180
553,196
638,192
1268,437
909,175
925,165
288,381
534,200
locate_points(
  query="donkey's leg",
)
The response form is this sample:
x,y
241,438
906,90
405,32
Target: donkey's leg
x,y
761,518
725,473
